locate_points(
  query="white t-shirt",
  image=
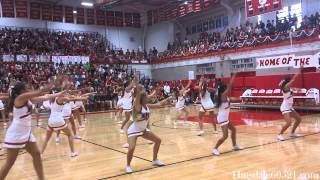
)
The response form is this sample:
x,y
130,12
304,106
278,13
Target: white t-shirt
x,y
166,89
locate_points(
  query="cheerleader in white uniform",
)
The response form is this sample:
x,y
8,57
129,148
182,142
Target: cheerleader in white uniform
x,y
126,104
76,112
68,117
19,135
206,105
286,107
180,103
119,109
138,127
223,105
2,109
56,122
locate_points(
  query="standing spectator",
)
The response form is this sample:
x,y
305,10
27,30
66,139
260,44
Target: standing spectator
x,y
166,89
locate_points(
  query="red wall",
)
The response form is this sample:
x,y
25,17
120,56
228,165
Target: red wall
x,y
305,80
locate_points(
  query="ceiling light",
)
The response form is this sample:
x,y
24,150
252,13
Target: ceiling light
x,y
89,4
74,12
186,2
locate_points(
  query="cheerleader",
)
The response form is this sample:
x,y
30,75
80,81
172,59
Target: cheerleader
x,y
56,122
119,109
68,117
76,106
138,127
2,109
206,105
223,105
125,104
286,107
180,102
19,135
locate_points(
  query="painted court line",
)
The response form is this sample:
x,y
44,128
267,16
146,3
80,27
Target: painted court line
x,y
202,157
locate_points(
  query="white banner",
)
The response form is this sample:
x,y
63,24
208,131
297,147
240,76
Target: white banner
x,y
8,57
70,59
287,61
22,58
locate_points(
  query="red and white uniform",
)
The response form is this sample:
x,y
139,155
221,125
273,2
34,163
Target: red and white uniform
x,y
223,113
206,102
287,103
67,111
180,104
126,101
19,133
56,120
139,126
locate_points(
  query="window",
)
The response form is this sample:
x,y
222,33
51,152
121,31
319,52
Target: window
x,y
291,11
218,22
212,24
225,21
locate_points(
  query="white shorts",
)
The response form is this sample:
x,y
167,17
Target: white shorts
x,y
286,108
223,118
56,122
18,136
137,128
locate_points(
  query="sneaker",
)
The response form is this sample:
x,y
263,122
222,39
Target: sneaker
x,y
280,137
236,147
121,131
82,126
126,145
215,131
157,163
129,169
150,142
57,139
74,154
215,152
5,124
294,135
76,136
200,133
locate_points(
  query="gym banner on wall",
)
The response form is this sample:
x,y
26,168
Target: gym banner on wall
x,y
258,7
288,61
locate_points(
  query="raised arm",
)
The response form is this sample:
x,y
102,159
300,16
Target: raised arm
x,y
289,84
225,93
160,103
188,85
46,97
23,98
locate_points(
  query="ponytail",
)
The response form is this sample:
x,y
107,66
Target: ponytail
x,y
220,90
18,88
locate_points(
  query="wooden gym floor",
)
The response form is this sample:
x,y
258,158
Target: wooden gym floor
x,y
186,155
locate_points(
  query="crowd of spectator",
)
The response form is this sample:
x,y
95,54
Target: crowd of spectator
x,y
35,41
244,35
